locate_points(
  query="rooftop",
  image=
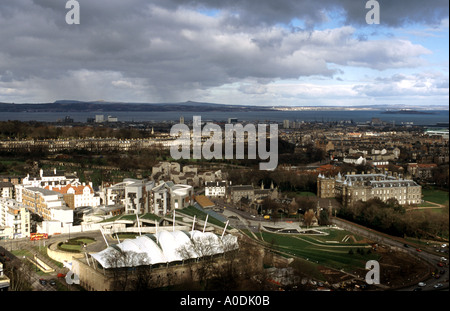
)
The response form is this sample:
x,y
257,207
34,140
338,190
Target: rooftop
x,y
164,247
42,190
204,201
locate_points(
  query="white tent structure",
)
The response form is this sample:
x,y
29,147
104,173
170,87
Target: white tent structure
x,y
164,247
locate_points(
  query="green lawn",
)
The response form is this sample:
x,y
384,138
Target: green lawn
x,y
70,247
435,196
334,255
305,194
75,244
300,194
191,211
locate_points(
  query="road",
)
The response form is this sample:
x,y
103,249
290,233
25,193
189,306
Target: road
x,y
428,257
242,220
34,276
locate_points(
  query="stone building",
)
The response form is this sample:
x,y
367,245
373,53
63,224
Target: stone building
x,y
216,189
326,186
354,187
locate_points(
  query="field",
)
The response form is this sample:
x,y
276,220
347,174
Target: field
x,y
76,244
191,211
435,196
326,250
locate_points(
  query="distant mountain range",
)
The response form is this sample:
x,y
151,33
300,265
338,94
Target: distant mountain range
x,y
100,106
105,106
407,111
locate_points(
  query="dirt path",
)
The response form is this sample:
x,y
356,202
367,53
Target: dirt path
x,y
435,205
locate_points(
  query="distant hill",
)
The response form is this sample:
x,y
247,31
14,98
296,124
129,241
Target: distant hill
x,y
406,111
106,106
99,106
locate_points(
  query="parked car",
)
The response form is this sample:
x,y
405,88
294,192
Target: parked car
x,y
438,285
422,284
42,281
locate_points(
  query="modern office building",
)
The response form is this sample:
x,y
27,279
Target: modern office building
x,y
145,196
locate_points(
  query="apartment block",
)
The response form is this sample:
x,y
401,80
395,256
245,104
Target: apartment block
x,y
77,195
48,204
6,190
15,216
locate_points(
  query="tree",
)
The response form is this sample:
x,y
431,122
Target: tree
x,y
324,217
19,275
308,218
269,206
122,263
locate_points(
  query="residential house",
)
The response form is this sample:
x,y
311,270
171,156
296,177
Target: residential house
x,y
77,195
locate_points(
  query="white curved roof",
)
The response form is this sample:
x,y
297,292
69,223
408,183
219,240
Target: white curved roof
x,y
129,246
181,190
229,242
208,243
171,246
153,251
104,256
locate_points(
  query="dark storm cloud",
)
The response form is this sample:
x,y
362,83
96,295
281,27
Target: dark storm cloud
x,y
394,13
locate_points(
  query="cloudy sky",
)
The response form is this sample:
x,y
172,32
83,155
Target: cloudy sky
x,y
283,52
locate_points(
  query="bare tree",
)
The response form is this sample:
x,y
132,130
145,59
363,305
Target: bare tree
x,y
122,263
19,275
308,218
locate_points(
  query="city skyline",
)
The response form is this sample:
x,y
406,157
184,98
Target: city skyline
x,y
284,53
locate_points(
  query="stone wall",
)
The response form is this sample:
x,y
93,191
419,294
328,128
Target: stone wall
x,y
54,253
